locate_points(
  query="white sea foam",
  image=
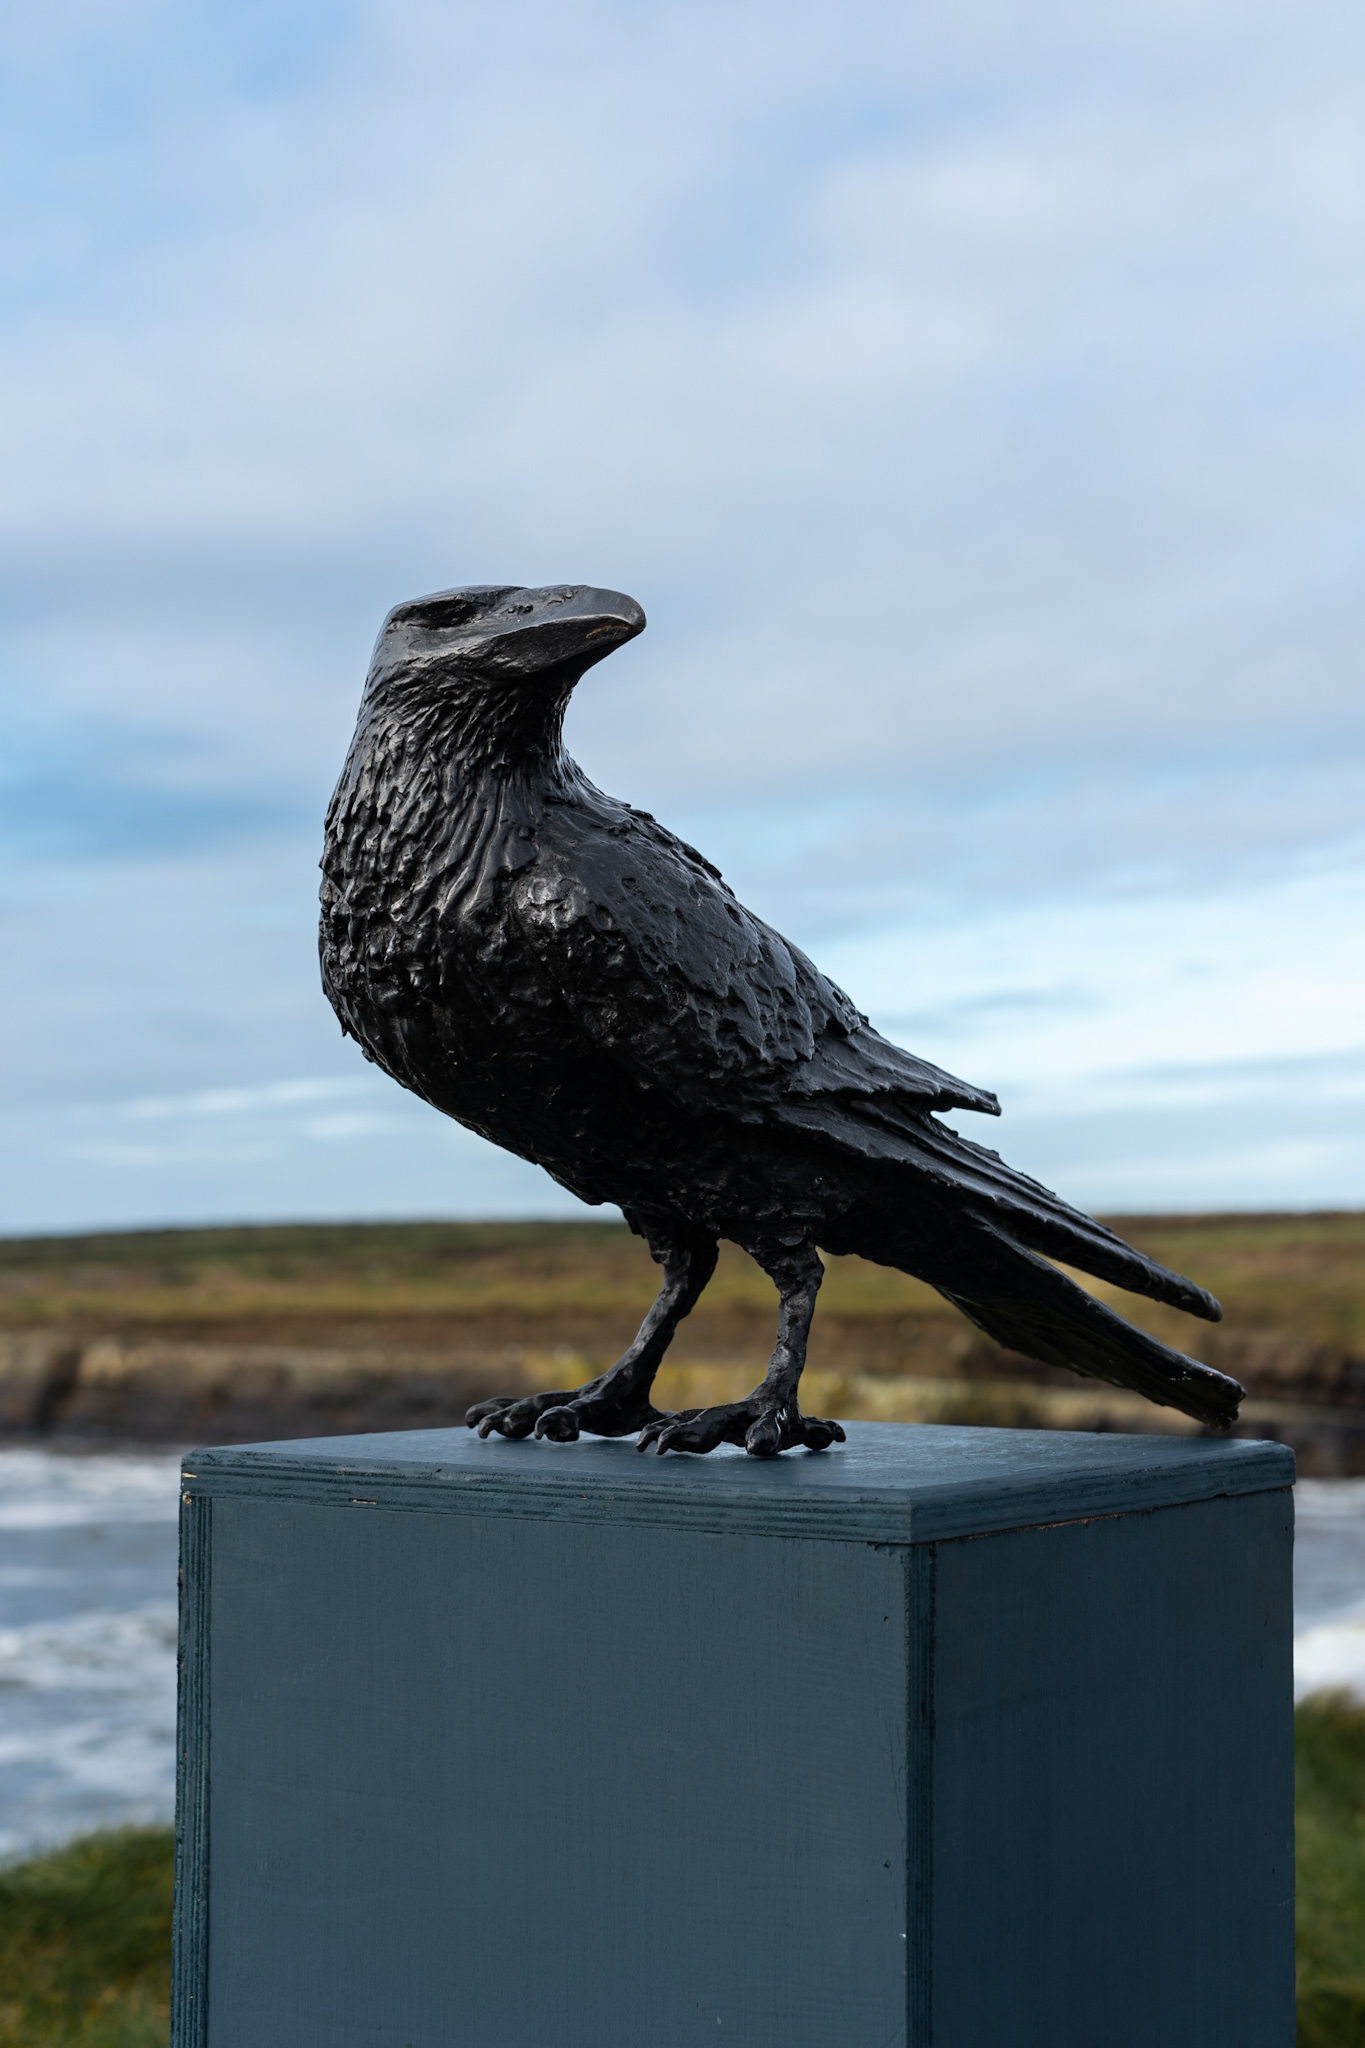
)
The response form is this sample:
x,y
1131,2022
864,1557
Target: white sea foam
x,y
128,1652
68,1776
1329,1586
99,1753
87,1642
50,1490
1329,1500
1332,1655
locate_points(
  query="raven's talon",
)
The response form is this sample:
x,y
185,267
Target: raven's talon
x,y
559,1417
661,1432
473,1416
598,1410
516,1420
763,1438
658,1423
512,1415
760,1424
756,1425
559,1425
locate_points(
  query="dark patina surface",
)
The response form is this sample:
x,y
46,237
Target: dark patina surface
x,y
560,973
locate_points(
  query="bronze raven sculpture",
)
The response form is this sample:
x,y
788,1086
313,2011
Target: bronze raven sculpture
x,y
560,973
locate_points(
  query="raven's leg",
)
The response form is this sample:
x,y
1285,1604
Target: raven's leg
x,y
768,1420
616,1402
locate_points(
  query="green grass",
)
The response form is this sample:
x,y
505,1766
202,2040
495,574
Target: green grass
x,y
1330,1819
85,1944
85,1933
1293,1288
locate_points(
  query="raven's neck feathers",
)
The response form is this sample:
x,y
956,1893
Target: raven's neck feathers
x,y
440,799
486,727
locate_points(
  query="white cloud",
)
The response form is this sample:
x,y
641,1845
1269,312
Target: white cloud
x,y
972,396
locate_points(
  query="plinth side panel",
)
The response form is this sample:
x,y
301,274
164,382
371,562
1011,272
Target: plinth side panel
x,y
1113,1783
511,1783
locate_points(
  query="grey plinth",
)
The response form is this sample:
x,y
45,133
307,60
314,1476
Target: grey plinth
x,y
957,1738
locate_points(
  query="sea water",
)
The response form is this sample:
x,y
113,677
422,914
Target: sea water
x,y
87,1632
1329,1585
87,1642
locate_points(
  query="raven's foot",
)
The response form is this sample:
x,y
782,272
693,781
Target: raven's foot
x,y
599,1407
764,1423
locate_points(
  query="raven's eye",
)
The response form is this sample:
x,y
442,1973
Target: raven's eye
x,y
453,611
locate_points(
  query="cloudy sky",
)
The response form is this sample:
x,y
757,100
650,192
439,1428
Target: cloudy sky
x,y
972,395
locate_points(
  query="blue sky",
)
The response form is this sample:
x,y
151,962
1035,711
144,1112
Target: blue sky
x,y
971,395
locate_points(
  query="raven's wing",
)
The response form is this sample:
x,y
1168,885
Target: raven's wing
x,y
664,969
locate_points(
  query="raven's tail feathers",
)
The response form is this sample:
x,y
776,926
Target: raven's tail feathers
x,y
974,1228
1028,1306
1030,1214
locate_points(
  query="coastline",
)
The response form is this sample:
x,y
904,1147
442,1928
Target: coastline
x,y
253,1333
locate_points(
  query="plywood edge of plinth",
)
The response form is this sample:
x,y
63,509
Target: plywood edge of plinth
x,y
891,1483
190,1923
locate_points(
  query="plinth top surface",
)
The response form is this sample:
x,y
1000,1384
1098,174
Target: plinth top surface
x,y
890,1483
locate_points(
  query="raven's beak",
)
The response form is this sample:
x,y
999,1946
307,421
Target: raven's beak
x,y
572,635
505,633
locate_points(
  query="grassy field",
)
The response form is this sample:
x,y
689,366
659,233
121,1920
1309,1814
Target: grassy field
x,y
85,1933
85,1945
235,1335
1293,1288
1330,1820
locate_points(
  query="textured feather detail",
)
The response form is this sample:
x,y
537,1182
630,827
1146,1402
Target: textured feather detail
x,y
1046,1316
995,1191
661,967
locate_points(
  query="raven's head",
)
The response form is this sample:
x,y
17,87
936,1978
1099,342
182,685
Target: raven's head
x,y
500,639
492,667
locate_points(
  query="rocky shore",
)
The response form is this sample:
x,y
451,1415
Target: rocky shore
x,y
109,1391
